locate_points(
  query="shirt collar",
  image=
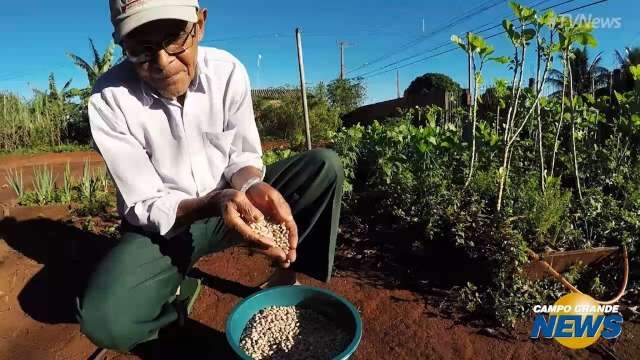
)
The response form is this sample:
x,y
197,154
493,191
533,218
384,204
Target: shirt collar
x,y
149,95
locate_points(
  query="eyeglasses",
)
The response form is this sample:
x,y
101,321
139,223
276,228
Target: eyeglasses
x,y
173,45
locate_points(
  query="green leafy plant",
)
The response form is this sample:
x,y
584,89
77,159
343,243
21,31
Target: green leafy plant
x,y
283,118
271,157
102,180
476,45
44,185
66,194
14,179
88,184
346,95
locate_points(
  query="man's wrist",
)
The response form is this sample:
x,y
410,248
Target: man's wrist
x,y
249,183
242,177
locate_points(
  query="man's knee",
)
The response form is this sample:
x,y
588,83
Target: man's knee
x,y
328,161
128,287
104,325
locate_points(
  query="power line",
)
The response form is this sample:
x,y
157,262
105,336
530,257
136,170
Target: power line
x,y
379,72
541,2
515,18
452,23
447,42
282,35
411,63
440,46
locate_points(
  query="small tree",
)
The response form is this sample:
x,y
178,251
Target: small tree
x,y
588,75
627,59
79,128
54,105
520,34
480,52
571,33
424,84
101,64
345,95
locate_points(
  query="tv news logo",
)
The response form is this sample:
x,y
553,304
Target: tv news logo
x,y
596,22
576,321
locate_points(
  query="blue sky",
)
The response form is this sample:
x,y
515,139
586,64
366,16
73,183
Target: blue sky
x,y
37,35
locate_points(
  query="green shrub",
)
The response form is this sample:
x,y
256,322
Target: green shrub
x,y
271,157
419,172
284,119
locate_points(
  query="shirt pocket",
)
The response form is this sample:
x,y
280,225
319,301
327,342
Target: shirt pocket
x,y
217,147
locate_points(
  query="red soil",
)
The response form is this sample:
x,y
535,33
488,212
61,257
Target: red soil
x,y
45,257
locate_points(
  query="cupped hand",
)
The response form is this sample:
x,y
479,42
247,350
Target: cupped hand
x,y
272,204
238,212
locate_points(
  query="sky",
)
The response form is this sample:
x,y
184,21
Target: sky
x,y
36,38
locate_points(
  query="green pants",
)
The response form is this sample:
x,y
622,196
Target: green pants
x,y
128,297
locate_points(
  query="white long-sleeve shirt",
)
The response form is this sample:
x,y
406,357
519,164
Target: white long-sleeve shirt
x,y
159,152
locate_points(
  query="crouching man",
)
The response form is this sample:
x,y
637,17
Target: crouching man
x,y
175,125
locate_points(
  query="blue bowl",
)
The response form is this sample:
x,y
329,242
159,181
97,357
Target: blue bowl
x,y
340,311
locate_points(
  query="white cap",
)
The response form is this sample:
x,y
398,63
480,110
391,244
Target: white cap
x,y
127,15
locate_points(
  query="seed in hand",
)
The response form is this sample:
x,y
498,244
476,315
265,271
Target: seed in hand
x,y
276,232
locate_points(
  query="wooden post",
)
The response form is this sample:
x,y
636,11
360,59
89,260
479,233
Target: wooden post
x,y
341,60
303,88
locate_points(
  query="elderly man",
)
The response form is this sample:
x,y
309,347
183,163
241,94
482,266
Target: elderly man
x,y
175,125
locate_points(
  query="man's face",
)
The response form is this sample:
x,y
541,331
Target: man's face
x,y
169,75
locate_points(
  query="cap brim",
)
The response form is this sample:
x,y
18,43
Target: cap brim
x,y
186,13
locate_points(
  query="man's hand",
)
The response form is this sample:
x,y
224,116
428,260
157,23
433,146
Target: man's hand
x,y
271,203
237,212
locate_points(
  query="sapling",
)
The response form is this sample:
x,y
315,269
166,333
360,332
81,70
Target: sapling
x,y
528,27
478,48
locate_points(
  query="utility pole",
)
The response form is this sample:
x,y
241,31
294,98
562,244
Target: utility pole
x,y
398,82
342,45
259,68
303,88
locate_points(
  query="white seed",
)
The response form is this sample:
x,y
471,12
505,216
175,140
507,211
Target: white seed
x,y
287,333
277,232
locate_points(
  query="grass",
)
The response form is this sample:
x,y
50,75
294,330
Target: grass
x,y
64,148
33,123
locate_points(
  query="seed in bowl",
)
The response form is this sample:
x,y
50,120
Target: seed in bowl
x,y
292,333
